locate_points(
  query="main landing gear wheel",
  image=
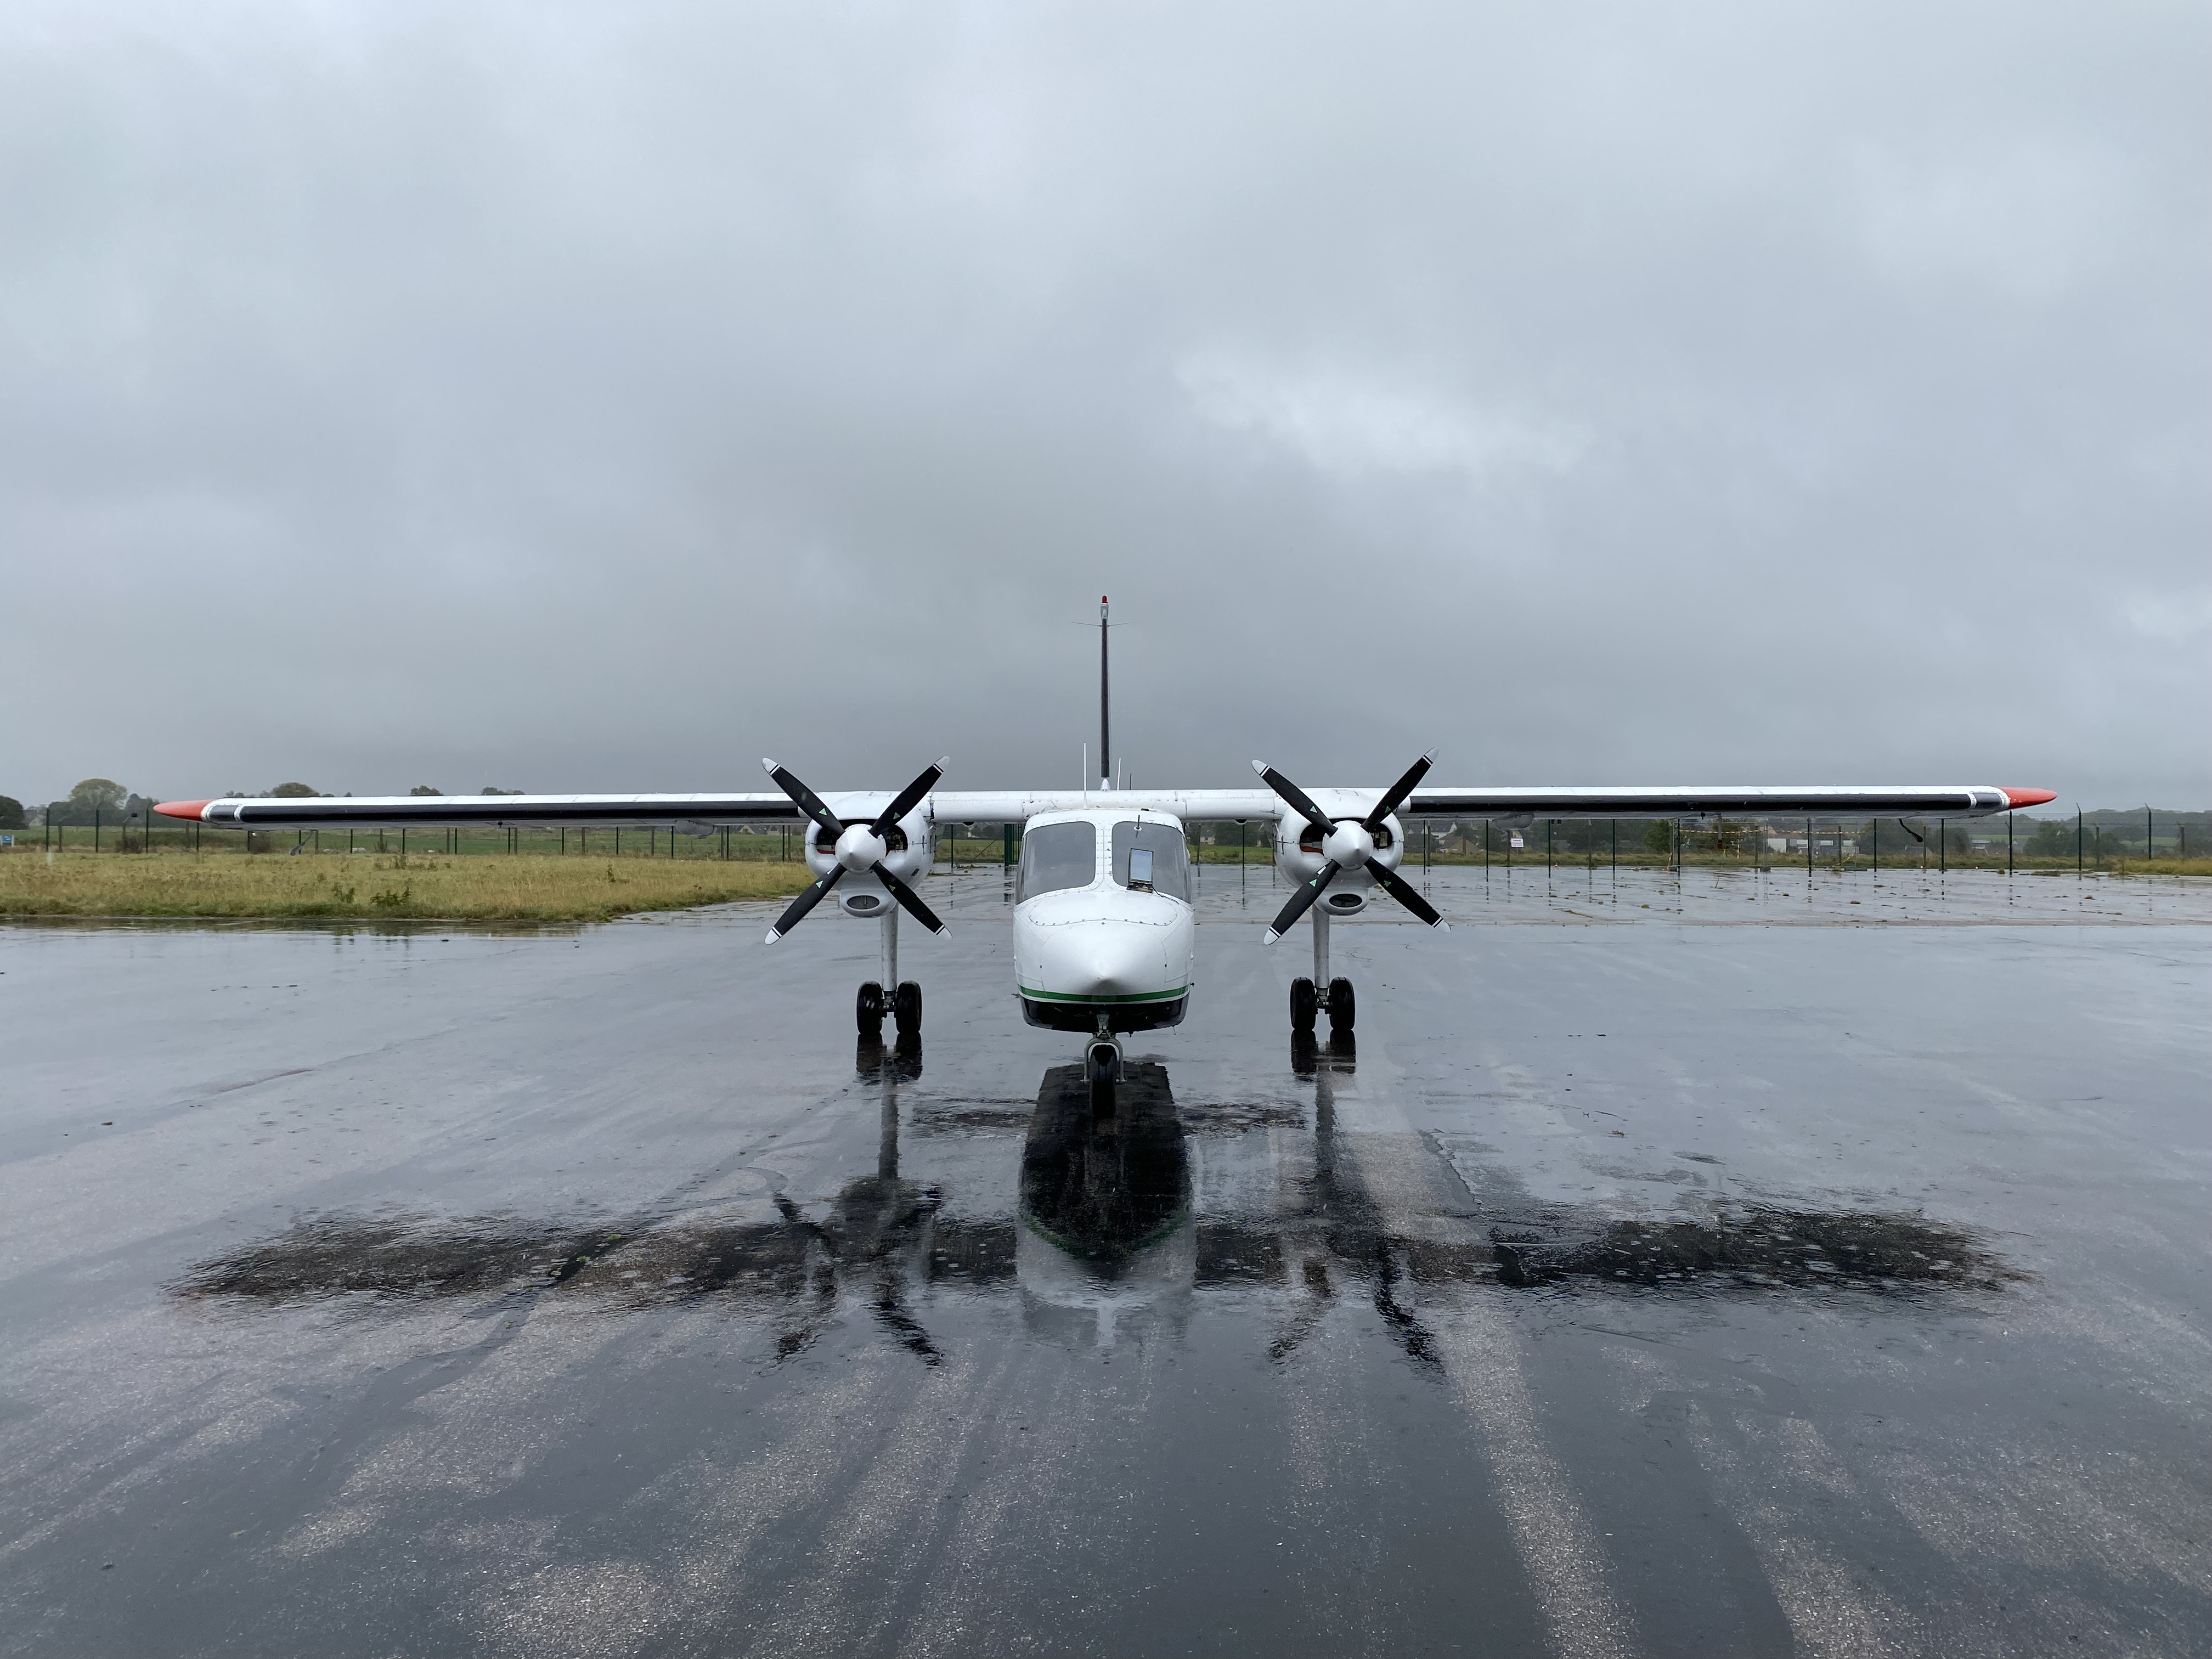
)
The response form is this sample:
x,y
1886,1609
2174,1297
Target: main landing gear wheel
x,y
868,1010
1342,1006
1304,1005
906,1008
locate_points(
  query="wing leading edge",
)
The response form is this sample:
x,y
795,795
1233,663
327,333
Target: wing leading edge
x,y
1000,806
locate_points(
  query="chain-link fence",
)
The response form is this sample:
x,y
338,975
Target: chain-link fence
x,y
2180,841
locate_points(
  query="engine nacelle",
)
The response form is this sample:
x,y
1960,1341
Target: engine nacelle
x,y
1298,855
911,847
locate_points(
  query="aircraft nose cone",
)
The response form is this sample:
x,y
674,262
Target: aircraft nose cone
x,y
1119,967
1107,978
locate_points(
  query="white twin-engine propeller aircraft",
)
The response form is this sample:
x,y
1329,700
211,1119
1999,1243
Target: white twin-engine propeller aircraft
x,y
1103,934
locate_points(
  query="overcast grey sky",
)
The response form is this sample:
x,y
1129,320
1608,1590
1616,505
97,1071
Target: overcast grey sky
x,y
603,396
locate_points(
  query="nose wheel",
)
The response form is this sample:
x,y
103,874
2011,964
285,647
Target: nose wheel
x,y
1102,1070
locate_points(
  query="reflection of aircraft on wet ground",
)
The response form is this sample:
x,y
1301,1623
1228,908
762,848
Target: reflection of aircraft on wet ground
x,y
1103,934
1107,1233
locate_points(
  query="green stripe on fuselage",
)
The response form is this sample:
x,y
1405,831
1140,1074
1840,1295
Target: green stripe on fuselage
x,y
1132,996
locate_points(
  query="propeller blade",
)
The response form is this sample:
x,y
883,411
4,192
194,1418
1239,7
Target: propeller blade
x,y
808,802
1301,902
1403,890
1395,797
903,803
910,901
806,901
1297,798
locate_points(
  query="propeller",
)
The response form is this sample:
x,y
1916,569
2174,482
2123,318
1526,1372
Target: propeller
x,y
860,847
1347,846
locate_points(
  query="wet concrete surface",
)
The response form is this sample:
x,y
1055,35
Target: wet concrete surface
x,y
1753,1276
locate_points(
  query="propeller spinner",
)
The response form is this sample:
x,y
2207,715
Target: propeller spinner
x,y
1346,846
860,847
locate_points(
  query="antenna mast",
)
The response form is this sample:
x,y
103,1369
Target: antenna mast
x,y
1105,706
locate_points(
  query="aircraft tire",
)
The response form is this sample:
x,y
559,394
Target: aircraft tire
x,y
906,1008
1303,1005
868,1010
1098,1070
1343,1008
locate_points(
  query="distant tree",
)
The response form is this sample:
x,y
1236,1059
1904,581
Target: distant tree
x,y
1658,836
2053,839
488,790
425,789
294,792
11,813
102,793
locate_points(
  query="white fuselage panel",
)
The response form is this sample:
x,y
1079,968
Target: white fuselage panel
x,y
1105,947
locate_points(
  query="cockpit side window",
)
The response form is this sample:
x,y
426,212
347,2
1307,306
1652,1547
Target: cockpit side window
x,y
1170,875
1057,855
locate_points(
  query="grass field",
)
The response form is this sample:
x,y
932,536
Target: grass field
x,y
525,887
546,887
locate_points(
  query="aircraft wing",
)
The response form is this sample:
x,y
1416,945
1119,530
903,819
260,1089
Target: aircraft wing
x,y
1638,801
1734,801
496,811
1013,806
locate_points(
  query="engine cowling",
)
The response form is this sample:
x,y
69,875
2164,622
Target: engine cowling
x,y
1299,851
909,850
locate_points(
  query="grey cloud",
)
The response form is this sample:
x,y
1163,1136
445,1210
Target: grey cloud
x,y
588,398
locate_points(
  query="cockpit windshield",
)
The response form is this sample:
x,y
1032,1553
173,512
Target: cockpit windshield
x,y
1168,874
1057,855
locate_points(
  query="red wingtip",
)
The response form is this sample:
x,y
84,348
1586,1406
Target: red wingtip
x,y
2030,797
181,809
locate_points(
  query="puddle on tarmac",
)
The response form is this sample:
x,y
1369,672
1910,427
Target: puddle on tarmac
x,y
1106,1200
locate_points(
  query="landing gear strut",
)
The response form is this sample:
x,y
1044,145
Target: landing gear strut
x,y
904,1005
1306,1000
